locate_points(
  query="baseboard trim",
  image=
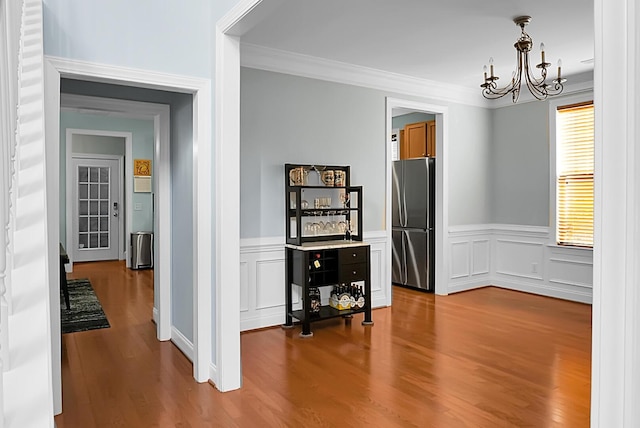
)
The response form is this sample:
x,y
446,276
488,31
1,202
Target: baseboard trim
x,y
545,290
469,285
183,344
255,323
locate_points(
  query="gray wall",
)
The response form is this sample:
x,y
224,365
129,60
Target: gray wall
x,y
182,211
293,119
470,164
98,144
181,187
520,170
404,119
142,147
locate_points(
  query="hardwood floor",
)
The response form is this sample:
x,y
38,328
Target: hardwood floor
x,y
482,358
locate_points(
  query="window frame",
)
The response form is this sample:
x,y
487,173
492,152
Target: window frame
x,y
553,211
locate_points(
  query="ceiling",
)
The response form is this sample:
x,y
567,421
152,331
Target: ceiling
x,y
443,41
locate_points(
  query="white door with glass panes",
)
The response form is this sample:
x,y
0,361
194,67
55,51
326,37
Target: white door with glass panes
x,y
96,209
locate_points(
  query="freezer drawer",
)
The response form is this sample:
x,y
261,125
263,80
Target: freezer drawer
x,y
417,259
412,259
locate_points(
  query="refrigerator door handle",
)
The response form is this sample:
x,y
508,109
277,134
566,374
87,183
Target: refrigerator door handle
x,y
405,241
404,204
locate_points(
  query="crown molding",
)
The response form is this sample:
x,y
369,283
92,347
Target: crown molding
x,y
279,61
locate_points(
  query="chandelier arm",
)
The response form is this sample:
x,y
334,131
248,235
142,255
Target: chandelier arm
x,y
492,92
537,87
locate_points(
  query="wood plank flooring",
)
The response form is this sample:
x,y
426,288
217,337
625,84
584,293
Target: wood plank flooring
x,y
482,358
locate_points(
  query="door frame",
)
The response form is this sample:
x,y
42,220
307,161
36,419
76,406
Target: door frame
x,y
123,191
442,185
200,89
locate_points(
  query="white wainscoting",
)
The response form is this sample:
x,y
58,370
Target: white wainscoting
x,y
262,272
470,258
519,258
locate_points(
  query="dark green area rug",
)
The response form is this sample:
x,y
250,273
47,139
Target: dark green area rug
x,y
86,311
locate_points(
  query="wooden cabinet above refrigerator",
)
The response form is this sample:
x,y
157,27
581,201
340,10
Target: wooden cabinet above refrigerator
x,y
418,140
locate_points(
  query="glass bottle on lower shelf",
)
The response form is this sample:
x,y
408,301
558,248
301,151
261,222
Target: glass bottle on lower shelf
x,y
314,298
340,297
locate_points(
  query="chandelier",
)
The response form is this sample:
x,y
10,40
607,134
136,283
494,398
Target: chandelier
x,y
538,87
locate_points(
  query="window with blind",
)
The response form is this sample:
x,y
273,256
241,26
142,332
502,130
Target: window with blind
x,y
574,174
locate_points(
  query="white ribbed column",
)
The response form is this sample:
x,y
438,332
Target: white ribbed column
x,y
615,384
28,399
10,20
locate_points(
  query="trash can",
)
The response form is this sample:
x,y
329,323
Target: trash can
x,y
141,250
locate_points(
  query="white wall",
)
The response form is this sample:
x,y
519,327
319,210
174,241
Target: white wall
x,y
172,37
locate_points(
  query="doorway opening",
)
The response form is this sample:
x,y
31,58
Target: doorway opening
x,y
396,107
198,137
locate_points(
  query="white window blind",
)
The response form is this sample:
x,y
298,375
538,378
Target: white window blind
x,y
574,175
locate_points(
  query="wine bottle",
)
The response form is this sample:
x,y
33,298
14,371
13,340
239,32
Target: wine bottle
x,y
360,300
316,263
344,299
314,297
353,293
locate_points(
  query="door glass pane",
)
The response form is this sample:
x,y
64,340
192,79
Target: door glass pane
x,y
93,240
94,203
83,174
83,192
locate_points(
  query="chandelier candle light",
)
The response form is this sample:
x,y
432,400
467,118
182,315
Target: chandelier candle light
x,y
538,87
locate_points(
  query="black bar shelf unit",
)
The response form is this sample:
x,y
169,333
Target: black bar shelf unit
x,y
324,246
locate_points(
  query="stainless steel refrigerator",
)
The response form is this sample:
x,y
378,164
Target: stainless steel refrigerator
x,y
413,221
